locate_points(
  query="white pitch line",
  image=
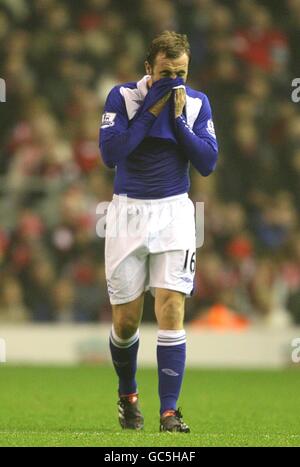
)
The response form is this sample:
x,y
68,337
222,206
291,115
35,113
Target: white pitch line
x,y
156,435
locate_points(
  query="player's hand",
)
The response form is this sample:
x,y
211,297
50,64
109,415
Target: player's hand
x,y
180,101
159,105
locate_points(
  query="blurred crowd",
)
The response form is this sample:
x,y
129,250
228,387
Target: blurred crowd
x,y
59,59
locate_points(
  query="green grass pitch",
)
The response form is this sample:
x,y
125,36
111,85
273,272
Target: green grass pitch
x,y
76,406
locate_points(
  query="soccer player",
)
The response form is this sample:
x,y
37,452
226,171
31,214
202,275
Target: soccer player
x,y
151,131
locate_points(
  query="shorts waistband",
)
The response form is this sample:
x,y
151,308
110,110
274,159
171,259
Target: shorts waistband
x,y
168,199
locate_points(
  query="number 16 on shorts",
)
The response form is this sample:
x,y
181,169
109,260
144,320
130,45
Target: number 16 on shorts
x,y
190,261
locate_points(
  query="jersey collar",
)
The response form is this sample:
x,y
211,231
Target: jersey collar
x,y
142,86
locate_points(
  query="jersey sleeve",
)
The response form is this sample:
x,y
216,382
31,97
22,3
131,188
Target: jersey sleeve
x,y
117,137
199,143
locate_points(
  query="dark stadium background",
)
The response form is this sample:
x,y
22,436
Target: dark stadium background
x,y
59,60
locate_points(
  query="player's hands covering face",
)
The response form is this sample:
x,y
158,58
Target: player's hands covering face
x,y
179,101
159,105
159,94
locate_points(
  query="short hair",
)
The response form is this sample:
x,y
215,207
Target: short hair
x,y
170,43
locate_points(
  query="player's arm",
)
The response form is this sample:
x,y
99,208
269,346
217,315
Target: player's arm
x,y
118,137
199,143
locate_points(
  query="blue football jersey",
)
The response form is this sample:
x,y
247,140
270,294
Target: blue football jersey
x,y
151,155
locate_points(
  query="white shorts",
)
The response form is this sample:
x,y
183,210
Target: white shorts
x,y
149,244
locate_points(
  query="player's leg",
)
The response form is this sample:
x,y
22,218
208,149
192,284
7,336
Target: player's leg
x,y
172,260
169,309
124,343
171,275
171,356
171,346
126,269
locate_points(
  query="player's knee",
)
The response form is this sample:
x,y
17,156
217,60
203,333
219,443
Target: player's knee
x,y
171,313
126,327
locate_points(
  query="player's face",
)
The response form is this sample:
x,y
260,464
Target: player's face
x,y
168,68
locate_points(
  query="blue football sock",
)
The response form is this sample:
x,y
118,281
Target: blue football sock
x,y
124,357
171,352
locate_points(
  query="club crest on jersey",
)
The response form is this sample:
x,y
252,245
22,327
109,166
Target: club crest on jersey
x,y
210,128
108,119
